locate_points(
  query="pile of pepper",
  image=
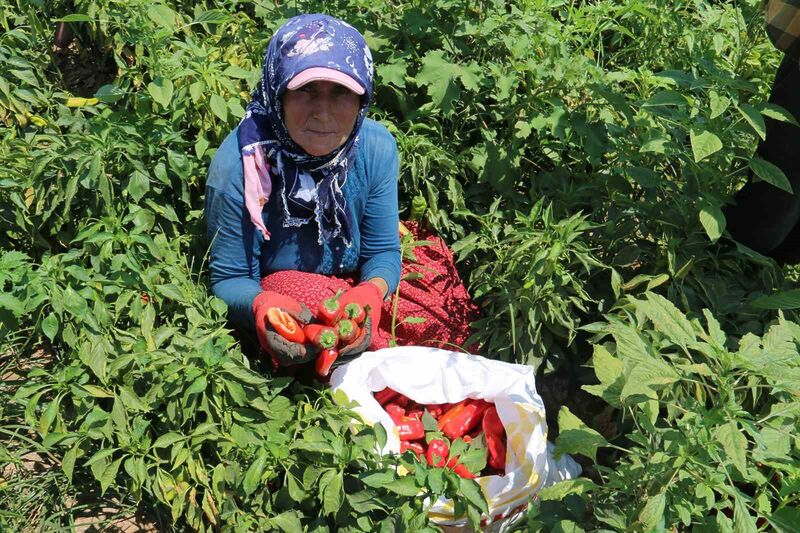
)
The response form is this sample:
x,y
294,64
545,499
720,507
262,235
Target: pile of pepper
x,y
339,326
449,435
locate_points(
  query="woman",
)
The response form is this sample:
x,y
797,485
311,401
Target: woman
x,y
304,193
765,217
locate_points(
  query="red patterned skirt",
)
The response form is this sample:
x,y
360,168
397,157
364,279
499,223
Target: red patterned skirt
x,y
436,294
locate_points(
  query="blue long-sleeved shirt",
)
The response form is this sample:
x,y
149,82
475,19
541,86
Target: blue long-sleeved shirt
x,y
240,255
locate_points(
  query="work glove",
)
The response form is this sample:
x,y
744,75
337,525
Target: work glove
x,y
282,351
365,294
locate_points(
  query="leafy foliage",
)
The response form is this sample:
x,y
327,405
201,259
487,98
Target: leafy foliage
x,y
578,154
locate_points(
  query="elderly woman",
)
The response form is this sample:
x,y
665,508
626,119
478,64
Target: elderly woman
x,y
301,199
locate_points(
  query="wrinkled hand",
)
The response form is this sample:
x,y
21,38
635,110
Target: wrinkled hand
x,y
366,293
282,351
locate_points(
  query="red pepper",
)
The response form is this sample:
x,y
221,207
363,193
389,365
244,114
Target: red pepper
x,y
395,412
466,419
320,336
402,400
286,326
495,439
415,413
324,361
386,395
450,414
435,410
416,447
463,471
437,452
329,310
355,312
348,331
410,429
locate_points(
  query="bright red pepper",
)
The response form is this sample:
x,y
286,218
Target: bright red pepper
x,y
450,414
415,413
396,413
321,336
416,447
386,395
495,438
463,471
355,312
286,326
437,452
465,420
435,410
329,310
410,429
348,331
324,361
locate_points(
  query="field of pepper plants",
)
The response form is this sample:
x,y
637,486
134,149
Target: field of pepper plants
x,y
576,156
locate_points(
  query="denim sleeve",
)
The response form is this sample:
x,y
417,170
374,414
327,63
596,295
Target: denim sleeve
x,y
380,238
235,245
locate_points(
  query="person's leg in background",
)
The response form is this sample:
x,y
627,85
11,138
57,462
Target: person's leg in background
x,y
764,217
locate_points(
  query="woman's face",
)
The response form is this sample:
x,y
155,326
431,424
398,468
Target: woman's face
x,y
320,115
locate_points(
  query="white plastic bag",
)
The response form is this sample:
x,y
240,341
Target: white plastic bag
x,y
433,376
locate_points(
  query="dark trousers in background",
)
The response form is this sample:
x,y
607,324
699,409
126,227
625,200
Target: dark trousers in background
x,y
764,217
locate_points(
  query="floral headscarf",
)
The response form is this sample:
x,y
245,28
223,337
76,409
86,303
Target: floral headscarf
x,y
310,187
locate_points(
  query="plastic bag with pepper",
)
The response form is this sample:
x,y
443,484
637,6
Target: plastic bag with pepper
x,y
440,380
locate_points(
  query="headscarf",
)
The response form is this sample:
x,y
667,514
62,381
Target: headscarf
x,y
310,186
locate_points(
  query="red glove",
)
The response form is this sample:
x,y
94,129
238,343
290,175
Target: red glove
x,y
281,350
366,294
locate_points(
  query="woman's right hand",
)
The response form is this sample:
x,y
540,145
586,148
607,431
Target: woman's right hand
x,y
282,350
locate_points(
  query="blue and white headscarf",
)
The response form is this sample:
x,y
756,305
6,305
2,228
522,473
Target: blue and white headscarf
x,y
310,187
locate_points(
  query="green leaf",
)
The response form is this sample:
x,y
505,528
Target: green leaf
x,y
561,490
212,16
138,185
161,91
162,15
439,75
663,98
333,494
780,300
168,439
253,475
770,173
109,475
704,144
74,303
394,73
68,462
405,486
785,520
734,443
718,104
75,17
754,118
470,489
652,513
576,437
742,521
198,385
50,326
219,107
667,318
713,221
288,521
776,112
